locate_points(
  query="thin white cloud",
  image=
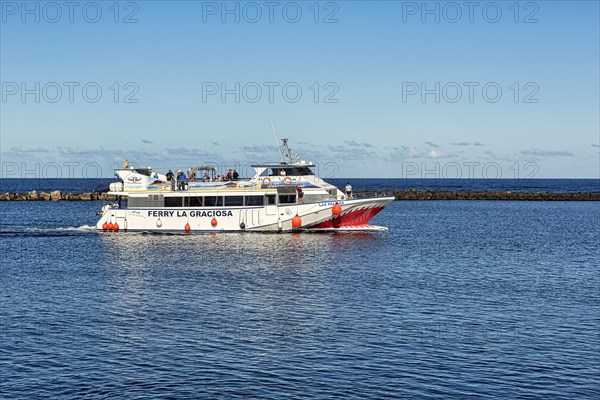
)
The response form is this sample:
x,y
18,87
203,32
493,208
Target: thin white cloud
x,y
351,152
432,153
459,144
498,157
356,144
547,153
465,144
259,152
67,151
187,152
405,152
25,149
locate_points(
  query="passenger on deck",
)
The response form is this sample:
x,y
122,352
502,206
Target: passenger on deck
x,y
205,178
282,172
300,195
229,175
182,180
348,190
169,176
236,176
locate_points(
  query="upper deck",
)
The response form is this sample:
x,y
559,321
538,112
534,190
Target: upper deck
x,y
267,176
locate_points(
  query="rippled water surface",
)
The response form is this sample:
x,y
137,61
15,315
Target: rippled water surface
x,y
497,299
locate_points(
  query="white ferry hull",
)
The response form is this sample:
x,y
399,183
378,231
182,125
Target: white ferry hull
x,y
284,196
314,217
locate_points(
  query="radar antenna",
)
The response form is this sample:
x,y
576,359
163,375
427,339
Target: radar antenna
x,y
286,150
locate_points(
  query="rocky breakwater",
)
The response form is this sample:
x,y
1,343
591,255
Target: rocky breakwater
x,y
55,196
413,194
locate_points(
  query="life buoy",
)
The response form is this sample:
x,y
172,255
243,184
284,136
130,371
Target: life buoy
x,y
266,182
287,180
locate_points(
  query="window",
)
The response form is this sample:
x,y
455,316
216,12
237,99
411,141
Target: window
x,y
287,198
155,200
173,201
195,201
299,171
254,200
271,199
143,171
291,171
234,200
135,202
213,201
315,198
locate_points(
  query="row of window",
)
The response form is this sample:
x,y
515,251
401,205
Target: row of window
x,y
202,201
160,200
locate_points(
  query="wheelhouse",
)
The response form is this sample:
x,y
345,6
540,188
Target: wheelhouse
x,y
275,169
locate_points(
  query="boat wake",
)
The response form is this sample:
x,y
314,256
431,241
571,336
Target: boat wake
x,y
50,231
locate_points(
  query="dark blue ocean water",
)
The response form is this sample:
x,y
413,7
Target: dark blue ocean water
x,y
493,185
460,298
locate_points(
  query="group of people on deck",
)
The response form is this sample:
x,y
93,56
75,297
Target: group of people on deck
x,y
182,179
232,176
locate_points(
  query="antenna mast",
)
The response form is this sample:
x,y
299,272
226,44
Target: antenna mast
x,y
288,152
274,133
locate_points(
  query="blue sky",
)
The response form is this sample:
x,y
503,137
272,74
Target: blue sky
x,y
388,89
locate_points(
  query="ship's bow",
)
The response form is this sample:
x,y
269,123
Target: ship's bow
x,y
355,215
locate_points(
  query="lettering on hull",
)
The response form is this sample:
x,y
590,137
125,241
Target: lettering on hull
x,y
191,213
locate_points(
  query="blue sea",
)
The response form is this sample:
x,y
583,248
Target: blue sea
x,y
458,299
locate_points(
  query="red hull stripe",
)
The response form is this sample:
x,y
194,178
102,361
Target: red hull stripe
x,y
355,218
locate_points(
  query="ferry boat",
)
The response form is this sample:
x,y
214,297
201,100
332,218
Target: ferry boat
x,y
270,201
